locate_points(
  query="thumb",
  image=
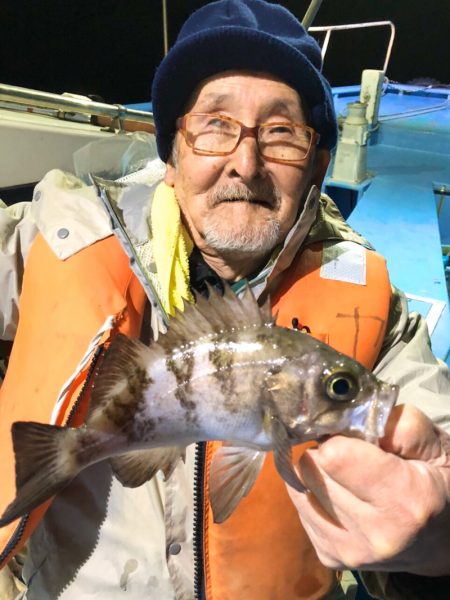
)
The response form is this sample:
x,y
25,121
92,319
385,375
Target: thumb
x,y
409,433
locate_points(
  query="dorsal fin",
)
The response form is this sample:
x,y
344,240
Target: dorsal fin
x,y
214,315
266,312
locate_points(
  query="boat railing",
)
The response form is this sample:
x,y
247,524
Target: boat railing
x,y
67,104
330,28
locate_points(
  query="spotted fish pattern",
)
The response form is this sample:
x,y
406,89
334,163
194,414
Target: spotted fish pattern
x,y
224,371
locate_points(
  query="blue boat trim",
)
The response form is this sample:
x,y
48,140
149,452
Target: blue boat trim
x,y
396,209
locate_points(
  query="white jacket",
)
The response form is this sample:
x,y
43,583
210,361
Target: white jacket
x,y
100,539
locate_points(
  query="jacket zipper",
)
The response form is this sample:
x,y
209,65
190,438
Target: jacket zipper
x,y
15,539
199,478
97,354
17,535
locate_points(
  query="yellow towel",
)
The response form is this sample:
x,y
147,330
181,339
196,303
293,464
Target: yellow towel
x,y
171,248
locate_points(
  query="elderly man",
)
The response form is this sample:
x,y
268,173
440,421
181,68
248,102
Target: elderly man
x,y
244,124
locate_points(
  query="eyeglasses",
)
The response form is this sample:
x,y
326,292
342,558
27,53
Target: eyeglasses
x,y
212,134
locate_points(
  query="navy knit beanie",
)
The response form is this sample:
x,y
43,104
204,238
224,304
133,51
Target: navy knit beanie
x,y
241,35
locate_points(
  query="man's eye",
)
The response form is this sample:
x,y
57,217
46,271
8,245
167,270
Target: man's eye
x,y
217,124
281,130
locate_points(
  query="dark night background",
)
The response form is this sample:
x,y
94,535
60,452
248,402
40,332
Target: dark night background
x,y
111,47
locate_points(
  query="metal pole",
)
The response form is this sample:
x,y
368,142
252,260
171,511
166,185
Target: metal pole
x,y
311,13
18,95
165,32
330,28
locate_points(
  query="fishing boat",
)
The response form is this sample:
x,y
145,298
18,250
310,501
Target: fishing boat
x,y
40,131
390,178
390,174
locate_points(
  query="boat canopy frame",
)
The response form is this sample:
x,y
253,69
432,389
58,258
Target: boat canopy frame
x,y
330,28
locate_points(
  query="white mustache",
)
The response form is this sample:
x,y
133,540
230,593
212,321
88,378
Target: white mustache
x,y
266,194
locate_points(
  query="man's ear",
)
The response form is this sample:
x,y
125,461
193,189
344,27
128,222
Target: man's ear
x,y
169,178
321,162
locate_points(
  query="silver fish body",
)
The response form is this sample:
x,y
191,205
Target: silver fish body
x,y
219,388
225,372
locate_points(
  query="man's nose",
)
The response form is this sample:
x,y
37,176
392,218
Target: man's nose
x,y
246,162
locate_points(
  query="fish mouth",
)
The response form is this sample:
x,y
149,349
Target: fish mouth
x,y
365,419
389,392
369,419
387,398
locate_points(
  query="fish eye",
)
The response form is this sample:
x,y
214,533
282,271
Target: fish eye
x,y
341,386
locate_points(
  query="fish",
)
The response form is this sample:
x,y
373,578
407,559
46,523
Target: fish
x,y
224,371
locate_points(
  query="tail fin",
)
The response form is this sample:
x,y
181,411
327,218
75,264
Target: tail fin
x,y
44,465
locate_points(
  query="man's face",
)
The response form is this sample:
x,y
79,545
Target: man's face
x,y
240,203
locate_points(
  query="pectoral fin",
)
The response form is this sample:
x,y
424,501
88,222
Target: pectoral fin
x,y
282,452
135,468
232,475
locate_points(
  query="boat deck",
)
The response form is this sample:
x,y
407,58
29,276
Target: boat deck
x,y
397,207
409,160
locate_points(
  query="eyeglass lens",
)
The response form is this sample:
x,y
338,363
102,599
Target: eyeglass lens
x,y
281,140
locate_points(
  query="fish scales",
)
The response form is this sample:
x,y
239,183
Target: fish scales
x,y
215,387
223,372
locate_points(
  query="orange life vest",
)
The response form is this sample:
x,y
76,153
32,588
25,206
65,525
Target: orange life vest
x,y
256,553
63,305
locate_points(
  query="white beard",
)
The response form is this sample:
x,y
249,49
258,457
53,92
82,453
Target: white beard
x,y
228,236
251,238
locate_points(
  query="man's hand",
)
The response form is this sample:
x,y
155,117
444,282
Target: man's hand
x,y
386,508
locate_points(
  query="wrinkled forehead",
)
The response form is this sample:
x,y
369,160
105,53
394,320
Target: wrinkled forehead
x,y
229,86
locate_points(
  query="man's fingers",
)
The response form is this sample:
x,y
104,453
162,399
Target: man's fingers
x,y
360,468
411,435
318,497
333,502
359,511
366,470
337,546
